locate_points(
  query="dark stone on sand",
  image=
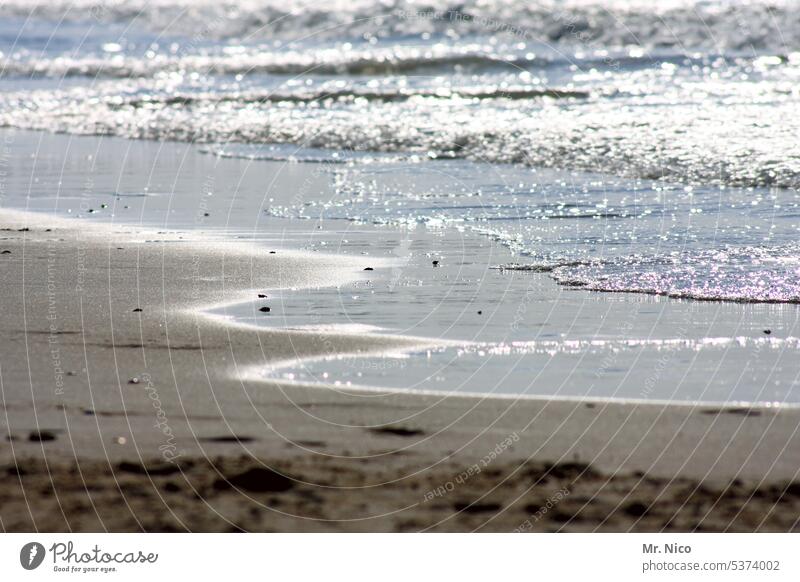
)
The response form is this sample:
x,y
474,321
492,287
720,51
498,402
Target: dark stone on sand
x,y
477,507
133,381
590,405
309,443
16,471
734,411
262,296
532,508
6,252
767,331
137,310
256,480
171,487
265,310
570,470
435,263
561,516
636,509
397,431
273,252
155,470
744,412
228,439
793,489
480,312
368,269
41,436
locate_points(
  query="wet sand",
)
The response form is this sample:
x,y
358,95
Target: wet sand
x,y
124,409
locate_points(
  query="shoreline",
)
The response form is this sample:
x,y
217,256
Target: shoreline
x,y
268,455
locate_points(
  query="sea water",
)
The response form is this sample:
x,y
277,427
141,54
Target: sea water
x,y
609,189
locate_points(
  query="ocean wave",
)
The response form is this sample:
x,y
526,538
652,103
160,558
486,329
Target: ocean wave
x,y
328,61
743,275
540,267
689,140
294,154
351,59
305,96
391,59
679,23
739,275
395,60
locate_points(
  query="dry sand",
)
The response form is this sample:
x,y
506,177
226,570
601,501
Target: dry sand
x,y
122,420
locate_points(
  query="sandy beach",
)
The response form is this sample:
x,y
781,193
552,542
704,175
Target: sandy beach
x,y
127,408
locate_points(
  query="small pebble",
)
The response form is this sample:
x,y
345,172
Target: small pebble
x,y
133,380
435,263
5,253
262,296
206,214
272,252
138,309
480,312
767,331
368,269
120,440
265,309
41,436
